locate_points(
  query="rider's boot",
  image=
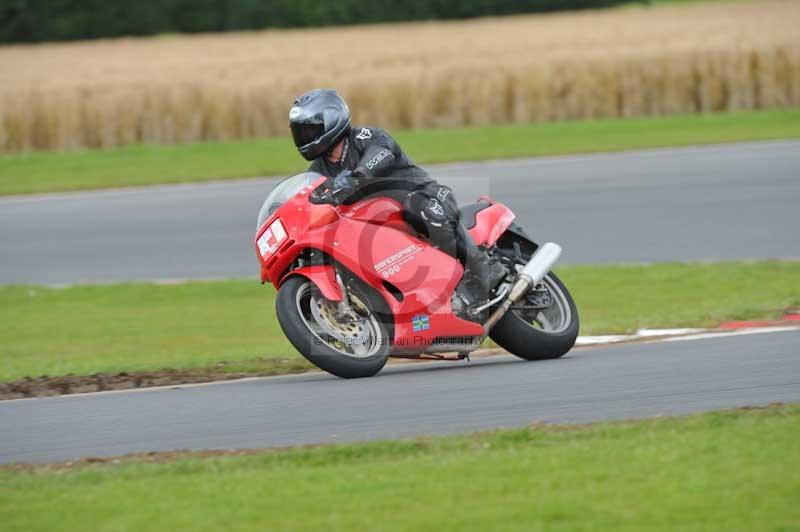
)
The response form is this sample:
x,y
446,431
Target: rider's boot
x,y
486,272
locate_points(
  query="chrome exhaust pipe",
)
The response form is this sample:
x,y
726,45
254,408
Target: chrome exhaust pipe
x,y
531,275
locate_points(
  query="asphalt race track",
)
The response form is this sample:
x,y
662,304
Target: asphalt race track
x,y
590,384
719,202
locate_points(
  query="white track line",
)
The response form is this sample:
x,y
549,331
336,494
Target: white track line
x,y
739,332
608,339
646,333
641,333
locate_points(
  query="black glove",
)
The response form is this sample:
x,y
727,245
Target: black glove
x,y
344,181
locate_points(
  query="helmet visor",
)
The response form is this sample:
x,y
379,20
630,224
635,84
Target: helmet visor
x,y
306,133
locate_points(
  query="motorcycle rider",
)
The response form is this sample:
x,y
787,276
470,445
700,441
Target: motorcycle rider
x,y
366,161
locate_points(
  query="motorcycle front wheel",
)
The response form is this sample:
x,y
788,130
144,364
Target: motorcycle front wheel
x,y
348,346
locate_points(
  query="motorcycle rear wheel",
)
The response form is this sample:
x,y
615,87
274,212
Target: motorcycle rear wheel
x,y
544,334
346,348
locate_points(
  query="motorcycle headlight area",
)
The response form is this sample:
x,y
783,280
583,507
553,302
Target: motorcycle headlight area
x,y
271,238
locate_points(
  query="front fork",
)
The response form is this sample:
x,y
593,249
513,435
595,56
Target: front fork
x,y
343,306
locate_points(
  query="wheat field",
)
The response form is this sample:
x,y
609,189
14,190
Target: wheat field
x,y
631,61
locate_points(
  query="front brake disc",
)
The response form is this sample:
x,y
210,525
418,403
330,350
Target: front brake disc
x,y
325,314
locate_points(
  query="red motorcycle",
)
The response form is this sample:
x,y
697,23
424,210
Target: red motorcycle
x,y
356,284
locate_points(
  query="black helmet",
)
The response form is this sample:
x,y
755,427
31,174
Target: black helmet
x,y
318,119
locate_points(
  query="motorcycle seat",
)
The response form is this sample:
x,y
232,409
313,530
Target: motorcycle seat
x,y
467,213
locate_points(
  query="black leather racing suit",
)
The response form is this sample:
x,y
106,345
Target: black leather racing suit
x,y
381,168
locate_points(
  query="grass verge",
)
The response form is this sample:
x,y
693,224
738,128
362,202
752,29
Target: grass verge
x,y
140,327
729,470
148,165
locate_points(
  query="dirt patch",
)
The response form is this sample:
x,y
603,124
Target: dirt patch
x,y
45,385
148,457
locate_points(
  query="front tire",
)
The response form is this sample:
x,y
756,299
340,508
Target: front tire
x,y
546,334
345,348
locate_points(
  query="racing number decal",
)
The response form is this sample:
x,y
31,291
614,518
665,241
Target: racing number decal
x,y
391,264
391,270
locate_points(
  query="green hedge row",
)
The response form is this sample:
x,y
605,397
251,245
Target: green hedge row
x,y
55,20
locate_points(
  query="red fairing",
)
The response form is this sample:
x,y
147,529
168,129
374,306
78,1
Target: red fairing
x,y
322,276
370,240
491,223
378,211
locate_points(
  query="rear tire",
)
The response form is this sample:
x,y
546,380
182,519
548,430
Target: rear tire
x,y
293,309
518,336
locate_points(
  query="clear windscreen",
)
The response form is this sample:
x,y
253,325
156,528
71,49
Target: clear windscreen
x,y
284,191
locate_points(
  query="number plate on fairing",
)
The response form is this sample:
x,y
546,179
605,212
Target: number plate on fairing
x,y
270,239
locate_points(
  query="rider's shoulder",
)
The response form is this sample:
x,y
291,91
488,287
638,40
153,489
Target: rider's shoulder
x,y
368,133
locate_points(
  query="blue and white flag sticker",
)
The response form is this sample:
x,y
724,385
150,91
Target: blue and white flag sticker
x,y
421,322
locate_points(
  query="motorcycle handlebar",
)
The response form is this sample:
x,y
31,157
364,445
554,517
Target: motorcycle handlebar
x,y
324,194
